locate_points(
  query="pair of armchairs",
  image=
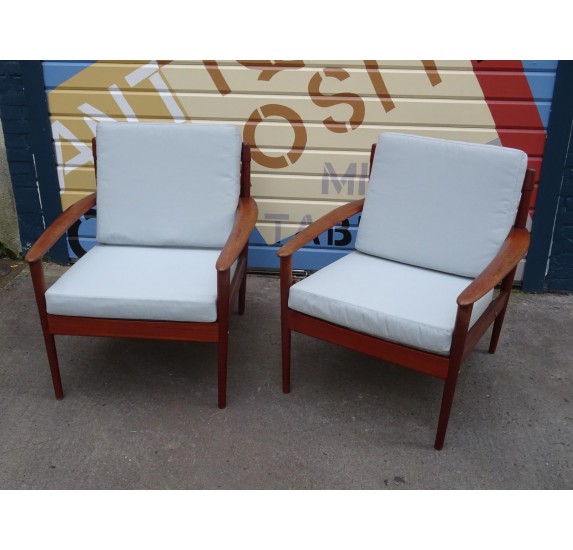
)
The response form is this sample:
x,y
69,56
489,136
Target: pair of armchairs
x,y
442,224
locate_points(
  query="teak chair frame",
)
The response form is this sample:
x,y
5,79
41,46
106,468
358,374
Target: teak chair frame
x,y
501,268
236,248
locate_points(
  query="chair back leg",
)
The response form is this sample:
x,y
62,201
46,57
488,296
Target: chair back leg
x,y
222,354
243,287
54,366
286,338
446,407
498,323
506,286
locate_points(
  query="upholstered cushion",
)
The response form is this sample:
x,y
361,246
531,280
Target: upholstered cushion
x,y
440,204
167,184
125,282
397,302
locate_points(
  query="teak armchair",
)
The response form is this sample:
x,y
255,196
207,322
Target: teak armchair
x,y
174,219
442,224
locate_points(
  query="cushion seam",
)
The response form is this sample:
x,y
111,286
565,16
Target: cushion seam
x,y
335,301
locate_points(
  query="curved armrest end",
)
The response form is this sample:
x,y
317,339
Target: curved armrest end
x,y
320,226
58,227
512,251
245,221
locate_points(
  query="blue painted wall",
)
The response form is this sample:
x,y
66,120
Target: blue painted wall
x,y
30,152
560,272
552,231
16,126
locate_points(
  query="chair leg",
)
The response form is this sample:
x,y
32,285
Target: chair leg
x,y
285,282
286,345
243,287
497,324
39,283
222,354
506,285
459,336
54,366
446,408
223,287
243,293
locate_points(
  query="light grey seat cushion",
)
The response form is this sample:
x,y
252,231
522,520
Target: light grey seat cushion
x,y
136,282
167,184
440,204
397,302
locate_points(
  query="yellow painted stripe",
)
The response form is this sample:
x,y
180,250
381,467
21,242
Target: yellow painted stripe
x,y
406,64
440,112
402,82
272,186
312,162
71,197
277,133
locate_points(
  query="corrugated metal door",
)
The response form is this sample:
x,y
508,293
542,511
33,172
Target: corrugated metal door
x,y
311,125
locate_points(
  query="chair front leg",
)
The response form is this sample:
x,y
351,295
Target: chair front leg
x,y
39,283
286,282
456,355
223,296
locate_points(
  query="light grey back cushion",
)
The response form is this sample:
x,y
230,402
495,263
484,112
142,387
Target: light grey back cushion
x,y
439,204
167,184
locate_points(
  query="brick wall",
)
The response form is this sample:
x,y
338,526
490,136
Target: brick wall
x,y
30,152
16,127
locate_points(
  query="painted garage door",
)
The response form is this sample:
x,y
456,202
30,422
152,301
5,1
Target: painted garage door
x,y
311,125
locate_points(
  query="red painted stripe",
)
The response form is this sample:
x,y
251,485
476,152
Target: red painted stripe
x,y
530,141
505,85
497,65
520,112
515,114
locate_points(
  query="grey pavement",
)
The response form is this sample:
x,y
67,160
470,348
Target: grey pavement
x,y
142,414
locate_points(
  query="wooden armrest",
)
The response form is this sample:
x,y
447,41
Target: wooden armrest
x,y
320,226
58,227
245,220
513,249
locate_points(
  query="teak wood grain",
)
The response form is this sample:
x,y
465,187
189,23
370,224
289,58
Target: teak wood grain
x,y
320,226
245,220
129,328
428,363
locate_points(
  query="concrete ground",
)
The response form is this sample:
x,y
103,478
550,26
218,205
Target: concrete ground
x,y
142,414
